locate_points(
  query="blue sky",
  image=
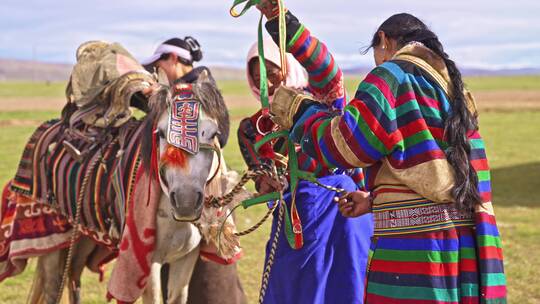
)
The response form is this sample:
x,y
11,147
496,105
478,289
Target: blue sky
x,y
476,33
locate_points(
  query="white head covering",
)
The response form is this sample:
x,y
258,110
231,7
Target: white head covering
x,y
166,49
296,75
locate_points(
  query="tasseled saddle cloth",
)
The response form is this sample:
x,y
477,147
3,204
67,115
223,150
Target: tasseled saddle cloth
x,y
56,160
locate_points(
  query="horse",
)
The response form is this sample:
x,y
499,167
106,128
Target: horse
x,y
178,181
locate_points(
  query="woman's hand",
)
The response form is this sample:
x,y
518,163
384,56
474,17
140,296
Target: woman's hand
x,y
354,204
269,8
265,184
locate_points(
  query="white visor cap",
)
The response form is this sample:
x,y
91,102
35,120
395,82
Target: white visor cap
x,y
166,49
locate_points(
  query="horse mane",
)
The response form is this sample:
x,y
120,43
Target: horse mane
x,y
213,105
157,104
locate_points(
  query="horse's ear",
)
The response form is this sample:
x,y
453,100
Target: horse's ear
x,y
204,76
162,77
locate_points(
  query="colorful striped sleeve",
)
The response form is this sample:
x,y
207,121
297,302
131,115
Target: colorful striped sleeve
x,y
358,177
365,133
325,76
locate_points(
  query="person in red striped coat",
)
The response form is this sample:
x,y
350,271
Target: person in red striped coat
x,y
330,266
413,126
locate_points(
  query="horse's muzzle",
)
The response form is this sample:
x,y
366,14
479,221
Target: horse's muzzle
x,y
186,205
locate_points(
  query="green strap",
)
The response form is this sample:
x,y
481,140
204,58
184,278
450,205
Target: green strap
x,y
293,178
309,176
293,166
249,4
270,137
263,83
274,196
282,38
295,173
288,227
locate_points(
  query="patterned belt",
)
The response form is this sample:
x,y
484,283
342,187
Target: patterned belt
x,y
414,216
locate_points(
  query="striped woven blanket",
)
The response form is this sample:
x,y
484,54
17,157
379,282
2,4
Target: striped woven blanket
x,y
51,175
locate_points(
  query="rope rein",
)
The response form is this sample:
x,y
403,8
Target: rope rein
x,y
227,199
272,254
75,233
222,201
218,202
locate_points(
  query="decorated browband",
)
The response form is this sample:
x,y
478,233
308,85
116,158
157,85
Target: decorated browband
x,y
183,129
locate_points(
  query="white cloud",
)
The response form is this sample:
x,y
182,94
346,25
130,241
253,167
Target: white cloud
x,y
475,32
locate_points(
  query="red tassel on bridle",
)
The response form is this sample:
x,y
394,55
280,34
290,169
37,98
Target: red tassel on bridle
x,y
175,156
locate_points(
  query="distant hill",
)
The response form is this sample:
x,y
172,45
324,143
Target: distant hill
x,y
500,72
23,70
465,71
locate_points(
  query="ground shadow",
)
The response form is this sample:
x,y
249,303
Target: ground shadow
x,y
517,185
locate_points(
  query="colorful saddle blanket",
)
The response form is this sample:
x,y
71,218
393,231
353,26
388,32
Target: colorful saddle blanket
x,y
50,173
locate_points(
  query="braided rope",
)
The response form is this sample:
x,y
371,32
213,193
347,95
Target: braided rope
x,y
329,188
228,198
75,233
218,202
272,254
258,224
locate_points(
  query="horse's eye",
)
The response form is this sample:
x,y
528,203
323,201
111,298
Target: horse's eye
x,y
161,134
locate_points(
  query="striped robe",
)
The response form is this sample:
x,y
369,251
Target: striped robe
x,y
425,251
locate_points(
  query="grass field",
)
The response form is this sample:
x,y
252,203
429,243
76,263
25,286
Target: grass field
x,y
512,145
235,87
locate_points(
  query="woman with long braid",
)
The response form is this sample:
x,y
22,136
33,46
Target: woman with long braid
x,y
413,127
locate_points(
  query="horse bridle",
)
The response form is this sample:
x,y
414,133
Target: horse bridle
x,y
203,146
215,147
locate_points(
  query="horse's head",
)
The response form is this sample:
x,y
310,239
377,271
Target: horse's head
x,y
183,148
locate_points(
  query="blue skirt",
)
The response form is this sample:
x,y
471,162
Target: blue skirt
x,y
331,266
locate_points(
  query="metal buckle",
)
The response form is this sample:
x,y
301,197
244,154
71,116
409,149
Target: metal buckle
x,y
258,128
257,123
297,228
74,152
